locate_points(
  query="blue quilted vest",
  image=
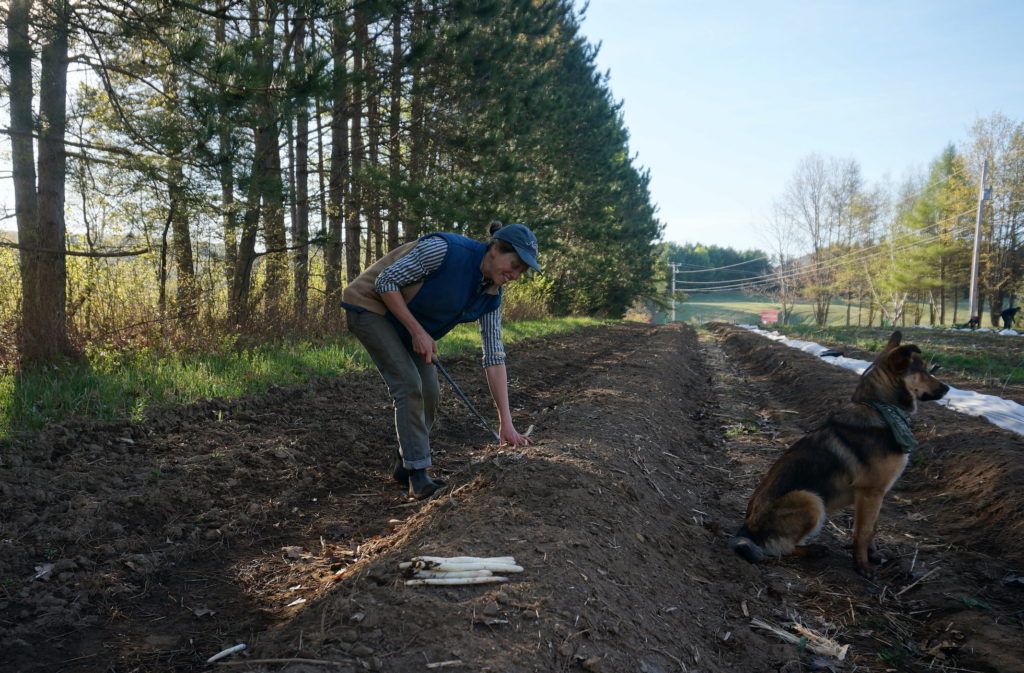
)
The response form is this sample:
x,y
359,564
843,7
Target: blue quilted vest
x,y
453,294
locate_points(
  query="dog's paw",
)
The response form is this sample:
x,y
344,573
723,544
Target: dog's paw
x,y
875,556
866,571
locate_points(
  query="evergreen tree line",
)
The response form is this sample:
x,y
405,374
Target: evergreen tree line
x,y
233,163
902,252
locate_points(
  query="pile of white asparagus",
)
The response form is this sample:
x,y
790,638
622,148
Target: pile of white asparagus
x,y
458,569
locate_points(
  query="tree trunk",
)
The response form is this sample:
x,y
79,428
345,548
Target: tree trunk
x,y
241,282
257,206
821,304
352,215
229,218
338,183
371,191
270,179
394,131
321,164
187,294
300,222
273,225
942,292
994,302
23,157
178,216
417,132
23,150
162,274
40,215
321,171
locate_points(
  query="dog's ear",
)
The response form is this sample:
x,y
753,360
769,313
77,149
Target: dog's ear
x,y
900,358
895,339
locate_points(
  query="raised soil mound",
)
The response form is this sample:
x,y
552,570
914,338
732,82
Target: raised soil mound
x,y
272,521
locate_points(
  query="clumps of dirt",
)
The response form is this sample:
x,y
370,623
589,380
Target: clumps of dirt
x,y
100,520
607,514
952,524
272,521
980,467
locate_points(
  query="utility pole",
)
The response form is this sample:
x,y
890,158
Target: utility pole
x,y
674,266
972,302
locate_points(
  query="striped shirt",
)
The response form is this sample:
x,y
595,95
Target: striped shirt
x,y
424,259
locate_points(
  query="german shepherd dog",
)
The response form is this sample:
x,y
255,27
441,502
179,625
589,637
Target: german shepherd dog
x,y
854,458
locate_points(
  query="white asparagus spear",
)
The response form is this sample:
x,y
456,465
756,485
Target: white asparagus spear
x,y
456,580
466,559
444,566
496,567
427,574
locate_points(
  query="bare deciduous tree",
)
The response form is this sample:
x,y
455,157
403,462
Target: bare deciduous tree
x,y
820,202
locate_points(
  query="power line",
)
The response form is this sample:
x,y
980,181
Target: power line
x,y
864,254
859,255
810,269
921,192
705,269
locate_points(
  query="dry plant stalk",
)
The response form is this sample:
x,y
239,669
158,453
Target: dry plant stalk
x,y
816,643
223,653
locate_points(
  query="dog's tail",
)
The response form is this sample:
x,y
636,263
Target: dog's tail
x,y
743,544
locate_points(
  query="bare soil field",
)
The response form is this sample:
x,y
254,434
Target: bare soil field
x,y
272,521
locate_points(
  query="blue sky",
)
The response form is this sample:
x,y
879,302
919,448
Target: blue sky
x,y
723,99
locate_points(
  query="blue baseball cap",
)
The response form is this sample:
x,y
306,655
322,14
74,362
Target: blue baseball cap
x,y
522,239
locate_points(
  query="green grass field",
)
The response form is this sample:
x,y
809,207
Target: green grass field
x,y
113,385
986,357
740,308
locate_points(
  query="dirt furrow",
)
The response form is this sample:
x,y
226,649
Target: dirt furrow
x,y
950,597
271,521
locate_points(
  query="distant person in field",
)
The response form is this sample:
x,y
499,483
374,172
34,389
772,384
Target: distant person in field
x,y
1008,314
400,306
974,322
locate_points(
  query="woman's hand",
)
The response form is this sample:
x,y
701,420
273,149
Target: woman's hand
x,y
497,382
509,435
424,345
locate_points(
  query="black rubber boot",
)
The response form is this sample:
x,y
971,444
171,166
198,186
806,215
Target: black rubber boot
x,y
421,485
400,474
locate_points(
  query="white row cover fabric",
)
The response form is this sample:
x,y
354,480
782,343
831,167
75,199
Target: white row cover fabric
x,y
1007,414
